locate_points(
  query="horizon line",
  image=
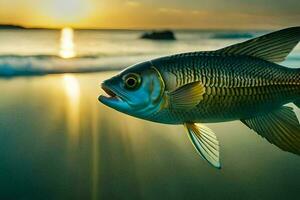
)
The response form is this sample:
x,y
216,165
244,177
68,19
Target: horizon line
x,y
18,26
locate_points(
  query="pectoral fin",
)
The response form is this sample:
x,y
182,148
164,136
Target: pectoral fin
x,y
186,96
280,127
205,142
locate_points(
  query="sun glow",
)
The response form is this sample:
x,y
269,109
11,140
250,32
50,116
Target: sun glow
x,y
67,43
67,11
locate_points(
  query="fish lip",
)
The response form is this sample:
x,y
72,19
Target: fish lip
x,y
110,94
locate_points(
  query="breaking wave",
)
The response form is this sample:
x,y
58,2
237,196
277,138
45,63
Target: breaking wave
x,y
16,65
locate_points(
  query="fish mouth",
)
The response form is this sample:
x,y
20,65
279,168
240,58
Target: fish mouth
x,y
113,99
110,95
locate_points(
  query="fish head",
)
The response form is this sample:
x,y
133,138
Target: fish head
x,y
135,91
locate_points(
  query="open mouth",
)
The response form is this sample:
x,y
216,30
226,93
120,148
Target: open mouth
x,y
108,91
113,99
110,94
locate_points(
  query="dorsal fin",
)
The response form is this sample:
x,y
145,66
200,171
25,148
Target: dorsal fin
x,y
273,47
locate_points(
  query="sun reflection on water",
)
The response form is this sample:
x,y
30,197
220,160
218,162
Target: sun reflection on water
x,y
72,87
67,43
72,90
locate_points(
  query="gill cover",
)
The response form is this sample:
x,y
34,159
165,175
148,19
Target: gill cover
x,y
157,87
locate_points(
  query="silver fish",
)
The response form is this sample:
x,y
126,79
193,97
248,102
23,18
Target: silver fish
x,y
240,82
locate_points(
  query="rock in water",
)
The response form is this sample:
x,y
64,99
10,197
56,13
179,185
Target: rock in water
x,y
159,35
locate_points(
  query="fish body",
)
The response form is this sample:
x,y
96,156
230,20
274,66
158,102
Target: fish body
x,y
236,87
240,82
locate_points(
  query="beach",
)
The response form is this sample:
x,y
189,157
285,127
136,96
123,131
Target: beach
x,y
58,142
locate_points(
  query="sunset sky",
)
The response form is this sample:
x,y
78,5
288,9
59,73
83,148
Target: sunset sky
x,y
134,14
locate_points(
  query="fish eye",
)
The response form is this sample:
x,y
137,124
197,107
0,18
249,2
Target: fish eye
x,y
132,81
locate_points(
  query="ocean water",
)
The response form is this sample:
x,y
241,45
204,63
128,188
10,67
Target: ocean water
x,y
39,52
58,142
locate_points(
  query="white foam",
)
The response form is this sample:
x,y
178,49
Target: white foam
x,y
12,65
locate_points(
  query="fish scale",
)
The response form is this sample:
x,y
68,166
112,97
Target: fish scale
x,y
232,103
251,70
238,80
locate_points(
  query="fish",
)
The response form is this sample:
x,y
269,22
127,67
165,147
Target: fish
x,y
242,82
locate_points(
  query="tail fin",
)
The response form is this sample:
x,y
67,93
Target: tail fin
x,y
273,47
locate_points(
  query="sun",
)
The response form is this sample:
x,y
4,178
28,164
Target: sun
x,y
67,11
